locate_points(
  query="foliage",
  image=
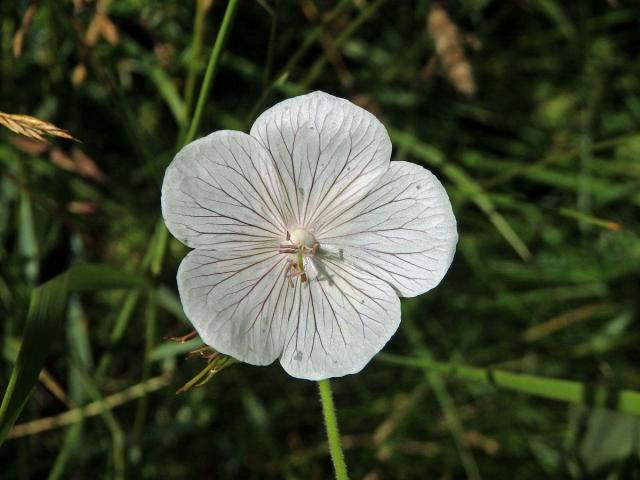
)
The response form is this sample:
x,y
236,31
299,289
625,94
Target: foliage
x,y
541,163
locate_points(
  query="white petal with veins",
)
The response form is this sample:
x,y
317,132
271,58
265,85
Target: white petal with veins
x,y
403,232
328,153
242,305
345,317
239,302
221,191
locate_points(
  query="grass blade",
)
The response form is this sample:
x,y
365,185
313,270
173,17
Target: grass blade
x,y
44,318
194,56
284,72
169,93
434,157
451,417
212,68
626,401
46,311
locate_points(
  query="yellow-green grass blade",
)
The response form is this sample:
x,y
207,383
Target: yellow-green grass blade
x,y
569,391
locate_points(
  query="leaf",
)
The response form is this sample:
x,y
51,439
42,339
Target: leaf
x,y
32,127
46,311
569,391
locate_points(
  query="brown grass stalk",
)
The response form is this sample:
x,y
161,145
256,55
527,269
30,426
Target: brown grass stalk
x,y
90,410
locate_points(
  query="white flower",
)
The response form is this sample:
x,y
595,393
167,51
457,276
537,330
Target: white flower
x,y
305,234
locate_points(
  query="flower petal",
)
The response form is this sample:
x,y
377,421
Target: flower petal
x,y
328,153
345,317
239,302
242,304
221,191
403,232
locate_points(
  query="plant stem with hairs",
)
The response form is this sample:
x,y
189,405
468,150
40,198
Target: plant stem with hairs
x,y
333,434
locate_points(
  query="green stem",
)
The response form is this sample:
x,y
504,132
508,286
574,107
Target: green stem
x,y
333,435
270,49
155,254
194,61
150,334
295,58
212,68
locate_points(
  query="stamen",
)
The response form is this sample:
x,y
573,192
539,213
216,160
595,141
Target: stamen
x,y
301,244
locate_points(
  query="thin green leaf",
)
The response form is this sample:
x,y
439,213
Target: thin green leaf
x,y
87,277
169,93
212,69
47,306
433,157
627,401
46,311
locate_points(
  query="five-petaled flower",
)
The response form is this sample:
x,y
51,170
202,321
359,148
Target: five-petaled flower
x,y
304,236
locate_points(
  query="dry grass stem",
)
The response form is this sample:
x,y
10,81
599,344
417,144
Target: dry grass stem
x,y
310,10
54,387
91,410
18,38
563,320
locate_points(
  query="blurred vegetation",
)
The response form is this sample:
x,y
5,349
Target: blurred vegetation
x,y
529,112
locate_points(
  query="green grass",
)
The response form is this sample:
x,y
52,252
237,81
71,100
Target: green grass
x,y
521,364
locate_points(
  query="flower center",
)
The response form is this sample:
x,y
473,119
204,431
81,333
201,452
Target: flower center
x,y
302,238
300,244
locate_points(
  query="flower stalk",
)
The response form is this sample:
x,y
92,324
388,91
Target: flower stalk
x,y
333,434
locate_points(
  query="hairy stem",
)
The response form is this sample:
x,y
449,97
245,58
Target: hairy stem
x,y
333,435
